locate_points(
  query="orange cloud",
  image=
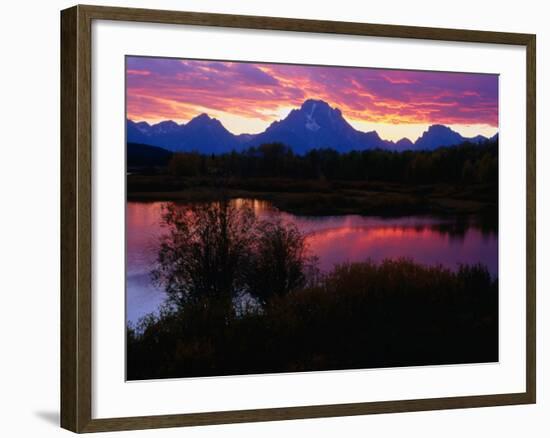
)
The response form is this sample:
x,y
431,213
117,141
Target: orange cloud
x,y
255,94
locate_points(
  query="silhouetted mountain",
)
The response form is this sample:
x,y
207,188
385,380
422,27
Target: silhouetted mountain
x,y
137,132
142,155
312,126
164,128
477,139
400,145
316,125
440,135
436,136
162,134
202,133
207,135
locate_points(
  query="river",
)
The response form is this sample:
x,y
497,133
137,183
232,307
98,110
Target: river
x,y
447,241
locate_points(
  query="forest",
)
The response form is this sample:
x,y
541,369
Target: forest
x,y
453,180
464,163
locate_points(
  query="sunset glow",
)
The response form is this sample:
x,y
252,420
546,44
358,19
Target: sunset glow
x,y
247,97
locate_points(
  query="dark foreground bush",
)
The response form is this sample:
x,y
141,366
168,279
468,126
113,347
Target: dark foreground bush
x,y
361,315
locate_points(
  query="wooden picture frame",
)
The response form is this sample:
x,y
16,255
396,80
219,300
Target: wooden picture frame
x,y
76,218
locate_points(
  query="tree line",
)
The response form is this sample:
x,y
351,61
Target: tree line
x,y
465,163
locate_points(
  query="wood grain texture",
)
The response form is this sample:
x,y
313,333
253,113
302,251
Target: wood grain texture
x,y
299,25
69,328
76,295
338,410
531,211
76,221
84,218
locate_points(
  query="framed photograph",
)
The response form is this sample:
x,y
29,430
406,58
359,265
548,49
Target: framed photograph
x,y
268,218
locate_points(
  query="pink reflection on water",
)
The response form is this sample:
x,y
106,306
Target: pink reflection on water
x,y
378,242
142,233
333,239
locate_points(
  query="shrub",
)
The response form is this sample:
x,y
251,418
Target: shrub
x,y
360,315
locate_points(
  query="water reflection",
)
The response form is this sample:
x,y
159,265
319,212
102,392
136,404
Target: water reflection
x,y
333,239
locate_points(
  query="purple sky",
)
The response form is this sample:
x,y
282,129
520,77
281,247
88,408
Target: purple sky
x,y
247,97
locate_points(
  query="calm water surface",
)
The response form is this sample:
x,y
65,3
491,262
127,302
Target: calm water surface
x,y
333,239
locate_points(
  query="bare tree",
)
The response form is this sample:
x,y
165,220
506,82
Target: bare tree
x,y
280,261
216,252
206,252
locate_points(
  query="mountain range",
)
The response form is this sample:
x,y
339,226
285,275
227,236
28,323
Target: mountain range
x,y
314,125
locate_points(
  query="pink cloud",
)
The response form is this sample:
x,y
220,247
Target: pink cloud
x,y
159,88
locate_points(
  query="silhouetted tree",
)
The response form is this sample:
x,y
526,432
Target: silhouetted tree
x,y
280,262
206,252
443,165
185,164
213,253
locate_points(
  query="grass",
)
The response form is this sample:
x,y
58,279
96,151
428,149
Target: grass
x,y
361,315
318,197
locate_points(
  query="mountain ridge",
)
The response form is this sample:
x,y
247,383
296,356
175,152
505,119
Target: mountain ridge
x,y
315,124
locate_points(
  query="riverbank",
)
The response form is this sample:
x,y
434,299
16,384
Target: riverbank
x,y
320,198
361,315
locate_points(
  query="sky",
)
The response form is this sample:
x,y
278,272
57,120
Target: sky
x,y
247,97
